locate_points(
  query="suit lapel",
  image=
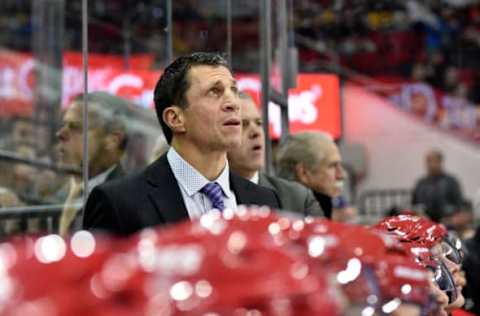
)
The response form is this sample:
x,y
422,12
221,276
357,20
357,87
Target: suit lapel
x,y
264,181
117,172
240,188
165,193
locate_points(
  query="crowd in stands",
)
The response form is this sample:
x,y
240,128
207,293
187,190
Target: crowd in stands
x,y
422,54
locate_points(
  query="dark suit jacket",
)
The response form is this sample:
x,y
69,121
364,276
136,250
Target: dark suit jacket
x,y
77,223
152,197
293,196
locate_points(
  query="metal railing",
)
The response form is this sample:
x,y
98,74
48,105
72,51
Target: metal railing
x,y
31,219
12,157
375,204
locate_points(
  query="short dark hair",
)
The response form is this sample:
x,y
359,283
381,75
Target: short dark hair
x,y
173,83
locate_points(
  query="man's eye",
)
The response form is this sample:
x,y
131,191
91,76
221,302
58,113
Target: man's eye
x,y
74,127
215,91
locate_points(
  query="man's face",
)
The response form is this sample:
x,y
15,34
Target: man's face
x,y
71,139
23,133
212,117
434,164
249,156
327,177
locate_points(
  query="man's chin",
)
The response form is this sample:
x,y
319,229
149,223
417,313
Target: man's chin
x,y
232,143
69,164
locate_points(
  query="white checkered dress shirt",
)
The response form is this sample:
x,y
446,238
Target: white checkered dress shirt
x,y
191,181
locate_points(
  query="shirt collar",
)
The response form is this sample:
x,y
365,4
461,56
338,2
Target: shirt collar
x,y
193,181
255,178
99,178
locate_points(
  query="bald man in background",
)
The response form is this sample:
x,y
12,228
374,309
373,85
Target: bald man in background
x,y
247,160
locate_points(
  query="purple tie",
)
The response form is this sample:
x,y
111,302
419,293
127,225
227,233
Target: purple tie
x,y
214,193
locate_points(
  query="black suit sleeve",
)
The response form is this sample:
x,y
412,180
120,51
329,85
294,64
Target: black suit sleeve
x,y
99,213
415,193
456,192
277,203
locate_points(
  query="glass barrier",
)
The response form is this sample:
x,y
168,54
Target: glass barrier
x,y
41,105
43,160
31,72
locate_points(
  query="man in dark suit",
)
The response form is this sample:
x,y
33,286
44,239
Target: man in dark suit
x,y
196,101
248,159
438,193
107,141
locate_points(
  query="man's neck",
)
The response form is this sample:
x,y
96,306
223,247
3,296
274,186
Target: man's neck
x,y
435,174
103,163
209,163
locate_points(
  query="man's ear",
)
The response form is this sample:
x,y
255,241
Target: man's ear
x,y
114,139
302,173
173,117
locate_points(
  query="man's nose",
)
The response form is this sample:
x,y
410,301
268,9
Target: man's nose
x,y
231,101
254,132
340,172
61,134
231,106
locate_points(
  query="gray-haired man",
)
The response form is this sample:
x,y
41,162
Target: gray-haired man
x,y
313,159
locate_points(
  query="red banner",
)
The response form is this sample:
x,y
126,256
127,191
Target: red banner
x,y
313,105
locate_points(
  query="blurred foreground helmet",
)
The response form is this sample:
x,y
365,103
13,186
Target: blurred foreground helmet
x,y
222,264
251,262
423,232
376,274
430,243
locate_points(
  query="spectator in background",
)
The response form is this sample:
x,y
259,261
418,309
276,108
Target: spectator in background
x,y
21,133
19,176
438,193
458,112
248,159
450,80
418,97
107,140
313,159
9,199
